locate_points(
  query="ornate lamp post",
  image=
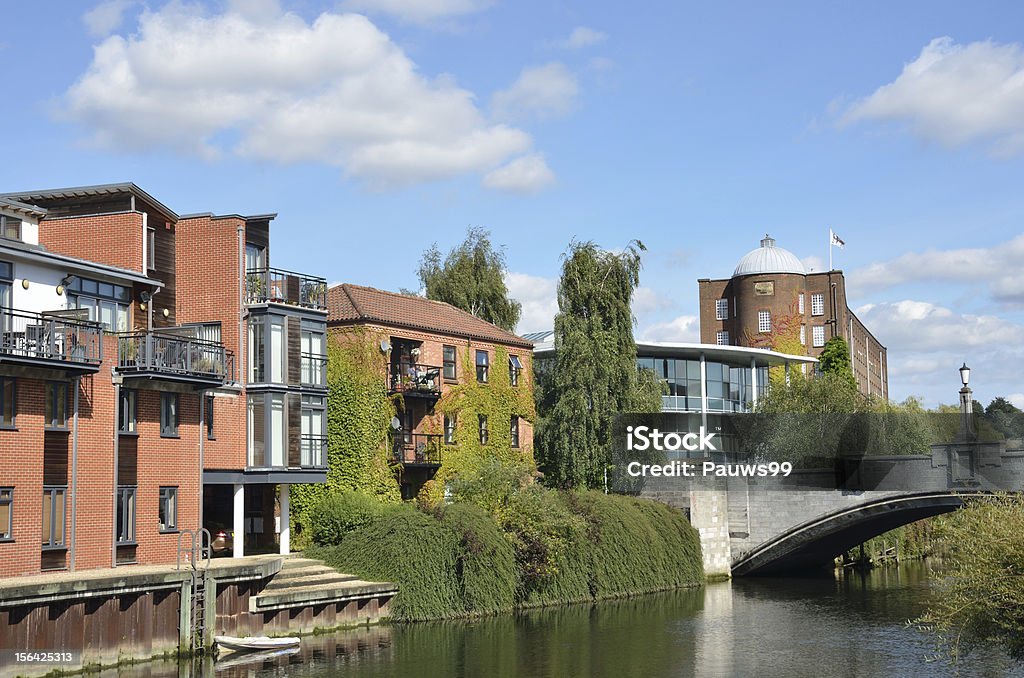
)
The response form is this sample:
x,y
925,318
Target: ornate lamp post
x,y
966,405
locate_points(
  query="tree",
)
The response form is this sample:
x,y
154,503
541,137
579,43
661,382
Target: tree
x,y
594,374
471,277
835,359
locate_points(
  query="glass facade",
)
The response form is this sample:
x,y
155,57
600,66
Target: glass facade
x,y
729,386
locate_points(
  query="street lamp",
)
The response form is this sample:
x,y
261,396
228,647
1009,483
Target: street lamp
x,y
966,405
965,374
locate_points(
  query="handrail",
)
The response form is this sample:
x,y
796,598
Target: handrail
x,y
313,452
264,285
313,370
414,378
49,337
173,354
416,448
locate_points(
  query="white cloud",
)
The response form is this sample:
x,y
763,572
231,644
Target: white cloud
x,y
1017,399
680,329
583,36
955,94
998,266
419,11
543,92
813,263
106,17
646,300
539,297
526,174
271,86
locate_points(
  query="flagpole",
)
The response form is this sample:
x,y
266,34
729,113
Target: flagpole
x,y
830,249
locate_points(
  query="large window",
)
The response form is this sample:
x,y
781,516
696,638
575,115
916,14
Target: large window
x,y
721,309
800,303
10,227
56,406
106,303
818,335
681,379
817,304
53,516
255,257
314,431
125,514
127,411
764,321
6,513
268,435
8,387
449,362
266,350
449,429
168,509
482,364
314,359
482,424
514,430
169,415
514,369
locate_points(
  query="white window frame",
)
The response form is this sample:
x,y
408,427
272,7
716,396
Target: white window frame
x,y
721,309
803,335
800,303
764,321
722,338
818,336
817,304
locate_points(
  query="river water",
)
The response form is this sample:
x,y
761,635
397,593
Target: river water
x,y
853,625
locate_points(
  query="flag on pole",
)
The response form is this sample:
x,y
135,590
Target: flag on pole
x,y
836,240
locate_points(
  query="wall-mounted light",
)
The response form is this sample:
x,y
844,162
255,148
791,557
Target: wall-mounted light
x,y
24,283
63,285
142,307
167,313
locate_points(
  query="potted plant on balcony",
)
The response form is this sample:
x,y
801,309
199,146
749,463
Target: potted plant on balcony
x,y
127,351
254,287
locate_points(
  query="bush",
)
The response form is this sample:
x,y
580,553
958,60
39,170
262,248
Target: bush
x,y
486,562
343,512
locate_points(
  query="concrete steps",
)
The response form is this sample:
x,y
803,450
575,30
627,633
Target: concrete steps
x,y
304,581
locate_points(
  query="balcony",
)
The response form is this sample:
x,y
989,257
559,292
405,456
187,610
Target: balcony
x,y
313,452
314,370
50,339
417,449
170,357
263,285
414,379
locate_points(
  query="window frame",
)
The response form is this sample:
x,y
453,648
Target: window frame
x,y
764,321
514,432
51,400
129,397
447,362
166,429
125,511
484,433
801,308
50,493
5,405
7,499
514,370
722,338
151,248
721,309
818,304
450,422
5,219
803,334
168,497
816,331
211,433
482,368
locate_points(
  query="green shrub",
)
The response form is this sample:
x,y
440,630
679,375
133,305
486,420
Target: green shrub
x,y
341,513
486,562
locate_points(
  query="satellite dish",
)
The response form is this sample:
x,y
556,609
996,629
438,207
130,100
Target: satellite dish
x,y
144,297
384,346
396,423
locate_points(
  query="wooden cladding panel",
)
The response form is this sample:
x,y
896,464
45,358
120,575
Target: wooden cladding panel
x,y
55,457
294,333
294,401
165,272
127,460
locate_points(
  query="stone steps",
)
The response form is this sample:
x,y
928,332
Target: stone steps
x,y
303,582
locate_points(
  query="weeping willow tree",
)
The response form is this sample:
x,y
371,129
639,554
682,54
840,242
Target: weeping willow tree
x,y
594,374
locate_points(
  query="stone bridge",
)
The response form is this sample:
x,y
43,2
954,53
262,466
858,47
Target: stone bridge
x,y
751,526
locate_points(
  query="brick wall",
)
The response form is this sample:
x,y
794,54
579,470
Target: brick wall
x,y
112,239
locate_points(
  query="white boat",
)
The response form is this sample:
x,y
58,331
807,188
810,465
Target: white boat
x,y
253,643
231,659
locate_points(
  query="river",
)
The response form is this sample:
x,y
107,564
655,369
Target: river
x,y
853,625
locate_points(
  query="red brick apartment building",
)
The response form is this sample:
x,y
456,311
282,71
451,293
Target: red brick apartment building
x,y
770,288
156,376
429,348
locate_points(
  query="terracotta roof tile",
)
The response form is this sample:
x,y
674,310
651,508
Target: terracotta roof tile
x,y
353,304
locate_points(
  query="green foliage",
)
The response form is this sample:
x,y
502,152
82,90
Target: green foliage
x,y
338,514
471,277
493,487
485,561
835,360
358,418
594,376
981,599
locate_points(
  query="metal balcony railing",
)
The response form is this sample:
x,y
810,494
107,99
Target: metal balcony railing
x,y
314,369
152,352
49,337
313,452
414,378
416,448
285,287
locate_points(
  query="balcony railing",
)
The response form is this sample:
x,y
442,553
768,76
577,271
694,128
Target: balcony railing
x,y
313,452
177,357
49,337
417,448
285,287
414,379
314,369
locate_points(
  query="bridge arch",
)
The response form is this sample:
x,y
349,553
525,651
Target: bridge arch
x,y
816,542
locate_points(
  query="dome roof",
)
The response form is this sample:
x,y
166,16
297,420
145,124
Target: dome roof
x,y
768,259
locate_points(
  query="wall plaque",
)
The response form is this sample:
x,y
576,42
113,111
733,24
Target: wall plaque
x,y
764,289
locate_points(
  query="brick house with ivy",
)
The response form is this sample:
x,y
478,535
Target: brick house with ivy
x,y
462,387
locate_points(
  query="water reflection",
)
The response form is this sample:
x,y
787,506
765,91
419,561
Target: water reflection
x,y
851,625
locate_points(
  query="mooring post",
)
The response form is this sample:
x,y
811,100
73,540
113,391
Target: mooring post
x,y
185,618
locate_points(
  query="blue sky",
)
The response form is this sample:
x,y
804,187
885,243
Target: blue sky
x,y
377,127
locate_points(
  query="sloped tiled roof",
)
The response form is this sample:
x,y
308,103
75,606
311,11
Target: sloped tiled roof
x,y
351,304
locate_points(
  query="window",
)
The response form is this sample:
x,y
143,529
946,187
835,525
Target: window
x,y
267,436
721,309
313,431
257,351
169,415
735,309
125,514
817,304
313,358
7,391
267,350
482,363
255,257
514,368
764,321
818,335
106,303
127,410
800,303
803,335
56,409
722,338
276,350
482,421
208,411
449,363
151,248
515,431
168,509
10,227
449,429
6,513
53,516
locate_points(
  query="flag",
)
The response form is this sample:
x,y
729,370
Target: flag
x,y
836,240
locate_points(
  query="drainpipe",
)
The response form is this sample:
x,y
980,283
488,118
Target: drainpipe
x,y
117,445
74,472
202,440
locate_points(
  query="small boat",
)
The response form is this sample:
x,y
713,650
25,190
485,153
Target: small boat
x,y
254,643
232,659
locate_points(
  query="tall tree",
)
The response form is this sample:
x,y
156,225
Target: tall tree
x,y
835,360
471,277
594,374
